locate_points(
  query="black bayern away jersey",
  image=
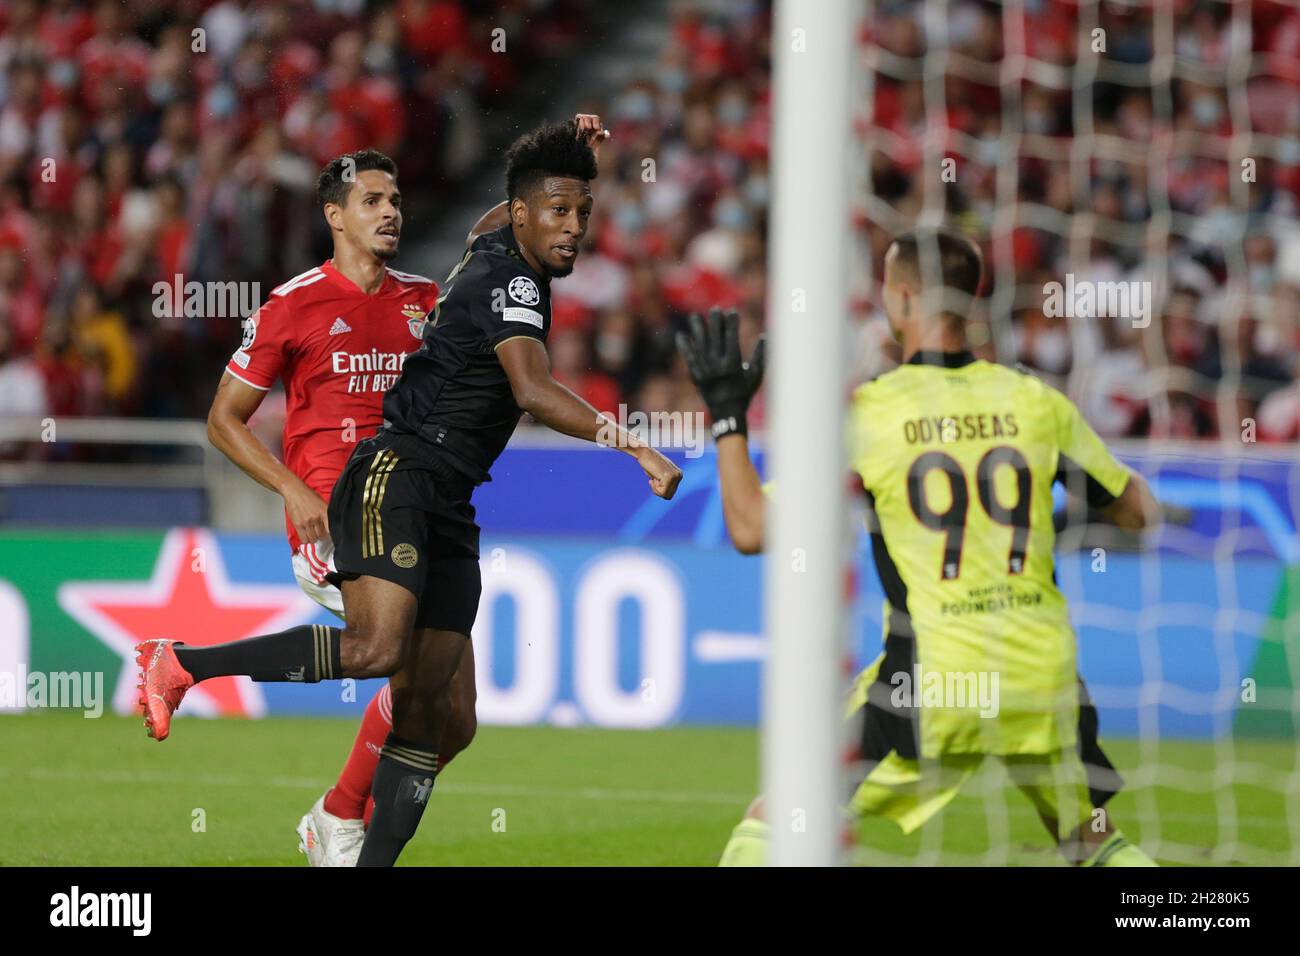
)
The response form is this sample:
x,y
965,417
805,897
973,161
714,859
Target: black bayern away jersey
x,y
453,393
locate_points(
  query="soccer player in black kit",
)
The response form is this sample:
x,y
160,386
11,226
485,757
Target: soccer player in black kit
x,y
406,543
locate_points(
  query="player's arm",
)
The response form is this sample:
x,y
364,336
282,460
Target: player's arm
x,y
268,342
494,218
1116,491
742,494
711,349
1136,507
528,368
590,126
232,407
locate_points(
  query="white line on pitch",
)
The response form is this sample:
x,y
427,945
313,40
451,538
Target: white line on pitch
x,y
311,783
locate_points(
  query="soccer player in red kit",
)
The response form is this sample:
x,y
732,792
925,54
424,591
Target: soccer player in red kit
x,y
337,336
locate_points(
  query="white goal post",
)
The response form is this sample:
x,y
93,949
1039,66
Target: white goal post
x,y
806,611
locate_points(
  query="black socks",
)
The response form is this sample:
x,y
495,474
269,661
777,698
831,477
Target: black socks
x,y
403,781
306,654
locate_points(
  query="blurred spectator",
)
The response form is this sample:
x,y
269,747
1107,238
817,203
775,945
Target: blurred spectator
x,y
142,141
1215,350
22,388
104,344
170,162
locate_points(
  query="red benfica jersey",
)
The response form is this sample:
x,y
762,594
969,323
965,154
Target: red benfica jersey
x,y
337,350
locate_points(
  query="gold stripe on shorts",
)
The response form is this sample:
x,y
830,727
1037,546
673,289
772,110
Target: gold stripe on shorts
x,y
381,487
372,531
365,504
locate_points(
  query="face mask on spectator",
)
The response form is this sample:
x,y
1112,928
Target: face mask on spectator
x,y
731,214
221,101
161,91
1268,340
379,58
1036,121
674,81
1051,350
612,349
732,111
988,151
636,106
1207,110
1109,170
1261,277
63,74
756,190
629,217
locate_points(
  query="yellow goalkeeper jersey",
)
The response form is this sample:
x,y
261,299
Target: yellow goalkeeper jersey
x,y
958,457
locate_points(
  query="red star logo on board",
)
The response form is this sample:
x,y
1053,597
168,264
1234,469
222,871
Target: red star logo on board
x,y
190,599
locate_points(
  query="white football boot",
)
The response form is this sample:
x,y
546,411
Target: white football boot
x,y
329,840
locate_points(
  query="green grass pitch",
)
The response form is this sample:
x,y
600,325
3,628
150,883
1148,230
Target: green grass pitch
x,y
77,792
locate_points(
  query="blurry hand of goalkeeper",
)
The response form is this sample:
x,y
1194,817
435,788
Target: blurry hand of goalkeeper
x,y
712,352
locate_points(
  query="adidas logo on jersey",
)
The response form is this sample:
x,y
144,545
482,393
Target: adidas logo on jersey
x,y
339,327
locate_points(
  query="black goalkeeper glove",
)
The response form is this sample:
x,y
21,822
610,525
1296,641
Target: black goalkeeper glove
x,y
712,353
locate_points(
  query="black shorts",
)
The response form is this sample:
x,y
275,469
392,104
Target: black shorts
x,y
408,521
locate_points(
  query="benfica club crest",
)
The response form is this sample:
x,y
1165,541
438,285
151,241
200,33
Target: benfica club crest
x,y
414,319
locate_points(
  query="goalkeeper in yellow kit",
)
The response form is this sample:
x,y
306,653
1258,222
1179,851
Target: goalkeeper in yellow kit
x,y
957,458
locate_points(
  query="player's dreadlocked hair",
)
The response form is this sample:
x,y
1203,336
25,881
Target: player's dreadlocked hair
x,y
550,150
332,187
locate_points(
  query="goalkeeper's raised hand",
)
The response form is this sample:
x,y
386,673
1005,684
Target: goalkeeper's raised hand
x,y
711,348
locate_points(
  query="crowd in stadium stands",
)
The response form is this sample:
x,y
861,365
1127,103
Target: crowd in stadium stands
x,y
171,163
142,140
1223,343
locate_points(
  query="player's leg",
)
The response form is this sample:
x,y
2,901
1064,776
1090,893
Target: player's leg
x,y
747,845
350,795
909,792
331,832
328,834
904,789
369,645
1057,785
309,572
374,496
452,591
347,798
462,723
1104,781
423,704
408,761
899,784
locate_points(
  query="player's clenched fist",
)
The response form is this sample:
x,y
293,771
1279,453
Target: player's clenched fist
x,y
590,126
307,512
663,474
726,383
